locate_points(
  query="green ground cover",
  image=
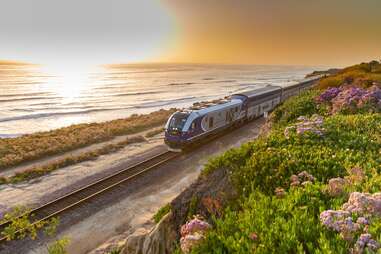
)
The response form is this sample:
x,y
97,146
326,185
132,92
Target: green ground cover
x,y
303,171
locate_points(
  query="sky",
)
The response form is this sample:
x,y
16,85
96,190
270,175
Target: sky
x,y
291,32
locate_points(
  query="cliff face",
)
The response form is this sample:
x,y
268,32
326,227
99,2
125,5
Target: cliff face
x,y
160,240
206,197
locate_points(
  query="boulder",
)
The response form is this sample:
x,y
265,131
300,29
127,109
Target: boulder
x,y
160,240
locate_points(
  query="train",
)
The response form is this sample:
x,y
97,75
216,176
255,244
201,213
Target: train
x,y
193,125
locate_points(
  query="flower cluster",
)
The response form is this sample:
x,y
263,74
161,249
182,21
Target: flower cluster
x,y
192,233
364,203
365,206
328,94
280,192
352,98
336,186
366,241
302,178
356,175
305,125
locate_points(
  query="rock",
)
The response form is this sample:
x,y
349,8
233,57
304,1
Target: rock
x,y
134,242
160,240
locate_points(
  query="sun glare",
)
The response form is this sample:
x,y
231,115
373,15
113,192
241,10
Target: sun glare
x,y
68,83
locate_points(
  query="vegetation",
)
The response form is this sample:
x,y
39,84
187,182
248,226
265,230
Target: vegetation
x,y
312,184
70,160
362,75
14,151
59,246
116,251
161,213
21,225
154,133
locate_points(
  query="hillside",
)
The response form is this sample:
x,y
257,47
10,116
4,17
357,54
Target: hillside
x,y
310,184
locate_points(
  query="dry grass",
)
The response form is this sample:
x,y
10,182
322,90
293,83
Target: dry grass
x,y
152,133
362,75
14,151
68,161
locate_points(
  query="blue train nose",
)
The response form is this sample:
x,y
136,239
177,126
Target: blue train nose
x,y
174,141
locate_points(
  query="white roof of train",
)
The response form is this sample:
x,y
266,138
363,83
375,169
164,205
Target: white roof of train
x,y
214,108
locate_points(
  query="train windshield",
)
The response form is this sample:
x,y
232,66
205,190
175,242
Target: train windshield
x,y
178,121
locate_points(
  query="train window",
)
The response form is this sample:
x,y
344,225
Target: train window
x,y
193,126
236,109
178,121
211,122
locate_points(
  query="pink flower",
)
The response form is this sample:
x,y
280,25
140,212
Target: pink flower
x,y
253,236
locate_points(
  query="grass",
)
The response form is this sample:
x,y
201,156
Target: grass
x,y
14,151
70,160
161,213
152,133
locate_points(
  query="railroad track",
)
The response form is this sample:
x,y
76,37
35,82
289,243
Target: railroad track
x,y
73,199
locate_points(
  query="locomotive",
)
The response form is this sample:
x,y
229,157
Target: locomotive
x,y
193,125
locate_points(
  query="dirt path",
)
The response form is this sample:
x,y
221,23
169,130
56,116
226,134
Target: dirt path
x,y
126,209
47,160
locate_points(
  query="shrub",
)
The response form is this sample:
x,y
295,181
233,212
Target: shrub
x,y
161,213
302,105
59,246
21,225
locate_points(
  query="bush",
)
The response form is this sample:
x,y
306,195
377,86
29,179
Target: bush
x,y
59,246
302,105
161,213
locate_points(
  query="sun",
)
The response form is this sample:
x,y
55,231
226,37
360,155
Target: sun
x,y
68,82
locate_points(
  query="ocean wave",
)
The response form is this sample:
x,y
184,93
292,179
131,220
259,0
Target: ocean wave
x,y
226,81
164,102
29,99
134,93
182,84
45,115
23,95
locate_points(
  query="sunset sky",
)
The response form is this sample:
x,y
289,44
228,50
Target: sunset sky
x,y
324,32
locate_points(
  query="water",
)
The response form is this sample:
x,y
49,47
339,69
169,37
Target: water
x,y
34,98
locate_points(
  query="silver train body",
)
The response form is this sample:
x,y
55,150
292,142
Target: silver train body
x,y
192,126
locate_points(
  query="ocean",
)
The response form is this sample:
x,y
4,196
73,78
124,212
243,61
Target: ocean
x,y
33,98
